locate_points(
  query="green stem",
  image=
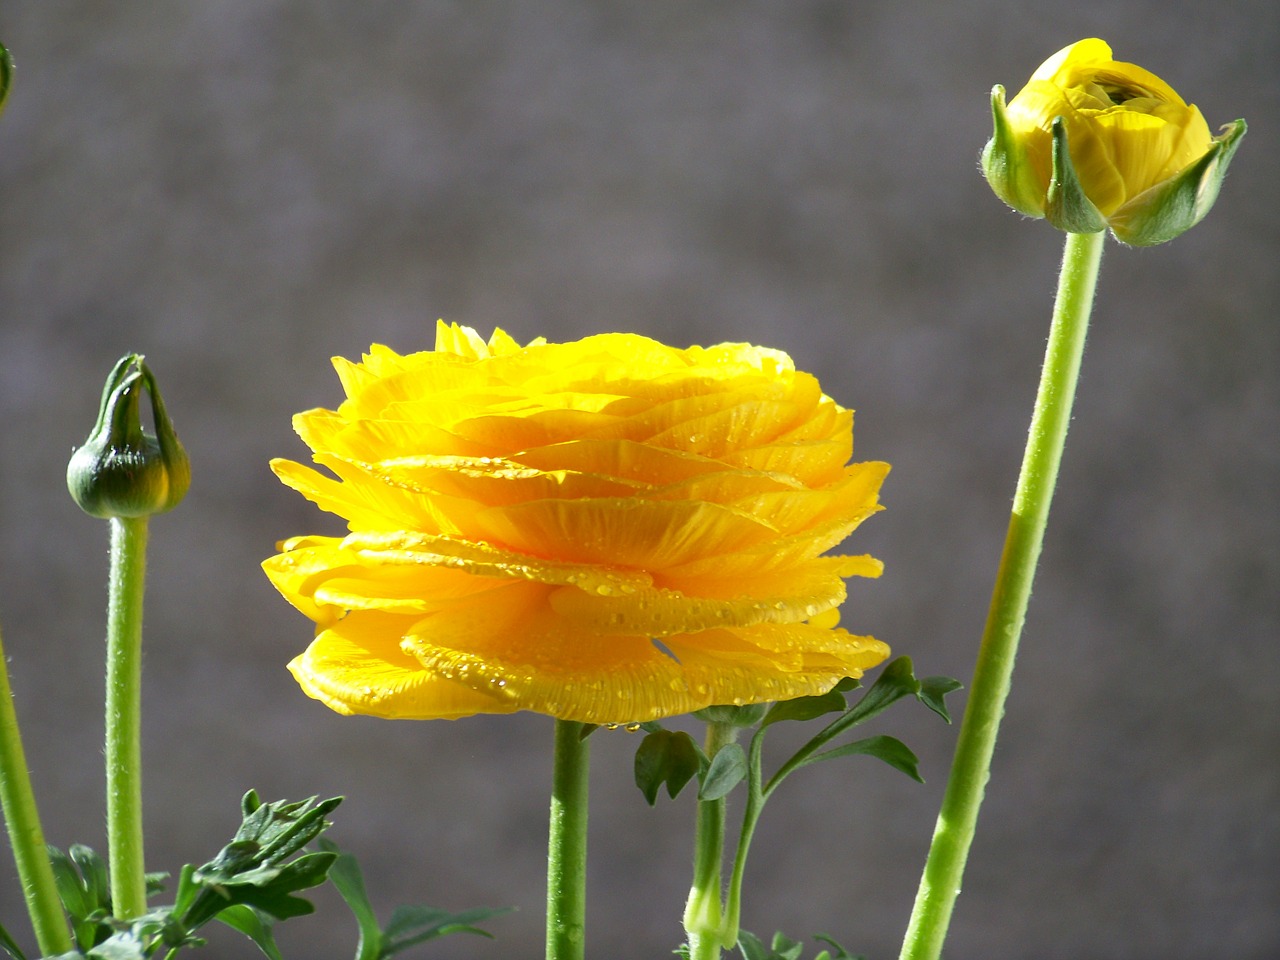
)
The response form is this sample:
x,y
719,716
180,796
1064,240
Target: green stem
x,y
25,836
567,846
757,794
124,716
958,817
704,911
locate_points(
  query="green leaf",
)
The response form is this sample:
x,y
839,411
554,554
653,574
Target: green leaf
x,y
932,692
895,682
122,946
348,879
253,925
85,898
728,768
666,756
751,947
784,949
805,708
271,890
412,925
6,76
889,749
9,945
840,954
93,870
252,869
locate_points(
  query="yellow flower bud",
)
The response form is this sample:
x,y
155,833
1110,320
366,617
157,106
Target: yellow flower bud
x,y
1092,143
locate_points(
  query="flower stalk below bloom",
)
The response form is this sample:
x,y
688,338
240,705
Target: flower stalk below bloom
x,y
567,844
124,716
971,767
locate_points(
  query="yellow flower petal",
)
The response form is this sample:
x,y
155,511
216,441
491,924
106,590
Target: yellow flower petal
x,y
526,522
354,668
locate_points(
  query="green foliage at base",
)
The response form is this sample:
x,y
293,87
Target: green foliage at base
x,y
249,886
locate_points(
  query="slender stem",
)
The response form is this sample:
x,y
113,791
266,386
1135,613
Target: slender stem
x,y
957,819
124,716
567,847
704,912
757,794
27,839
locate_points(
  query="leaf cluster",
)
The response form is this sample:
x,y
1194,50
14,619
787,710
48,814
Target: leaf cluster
x,y
673,759
249,886
783,949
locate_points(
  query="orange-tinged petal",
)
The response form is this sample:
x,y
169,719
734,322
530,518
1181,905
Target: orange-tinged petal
x,y
526,522
354,667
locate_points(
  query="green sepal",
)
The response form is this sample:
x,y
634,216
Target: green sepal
x,y
1006,166
1066,206
666,756
746,715
1175,206
122,469
6,75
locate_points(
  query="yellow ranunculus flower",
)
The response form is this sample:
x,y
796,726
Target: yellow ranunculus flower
x,y
609,530
1091,143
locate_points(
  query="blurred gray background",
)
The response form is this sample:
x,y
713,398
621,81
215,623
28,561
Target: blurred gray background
x,y
242,190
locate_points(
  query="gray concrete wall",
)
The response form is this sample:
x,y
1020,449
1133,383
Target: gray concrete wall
x,y
243,189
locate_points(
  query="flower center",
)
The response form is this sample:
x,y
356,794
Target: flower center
x,y
1119,90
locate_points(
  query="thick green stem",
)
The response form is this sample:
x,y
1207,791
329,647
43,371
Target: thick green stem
x,y
124,716
27,839
567,846
957,819
704,920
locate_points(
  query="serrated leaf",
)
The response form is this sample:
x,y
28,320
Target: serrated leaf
x,y
889,749
932,692
273,895
804,708
666,756
728,768
253,925
412,925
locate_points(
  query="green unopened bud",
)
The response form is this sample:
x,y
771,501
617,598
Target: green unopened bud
x,y
123,470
